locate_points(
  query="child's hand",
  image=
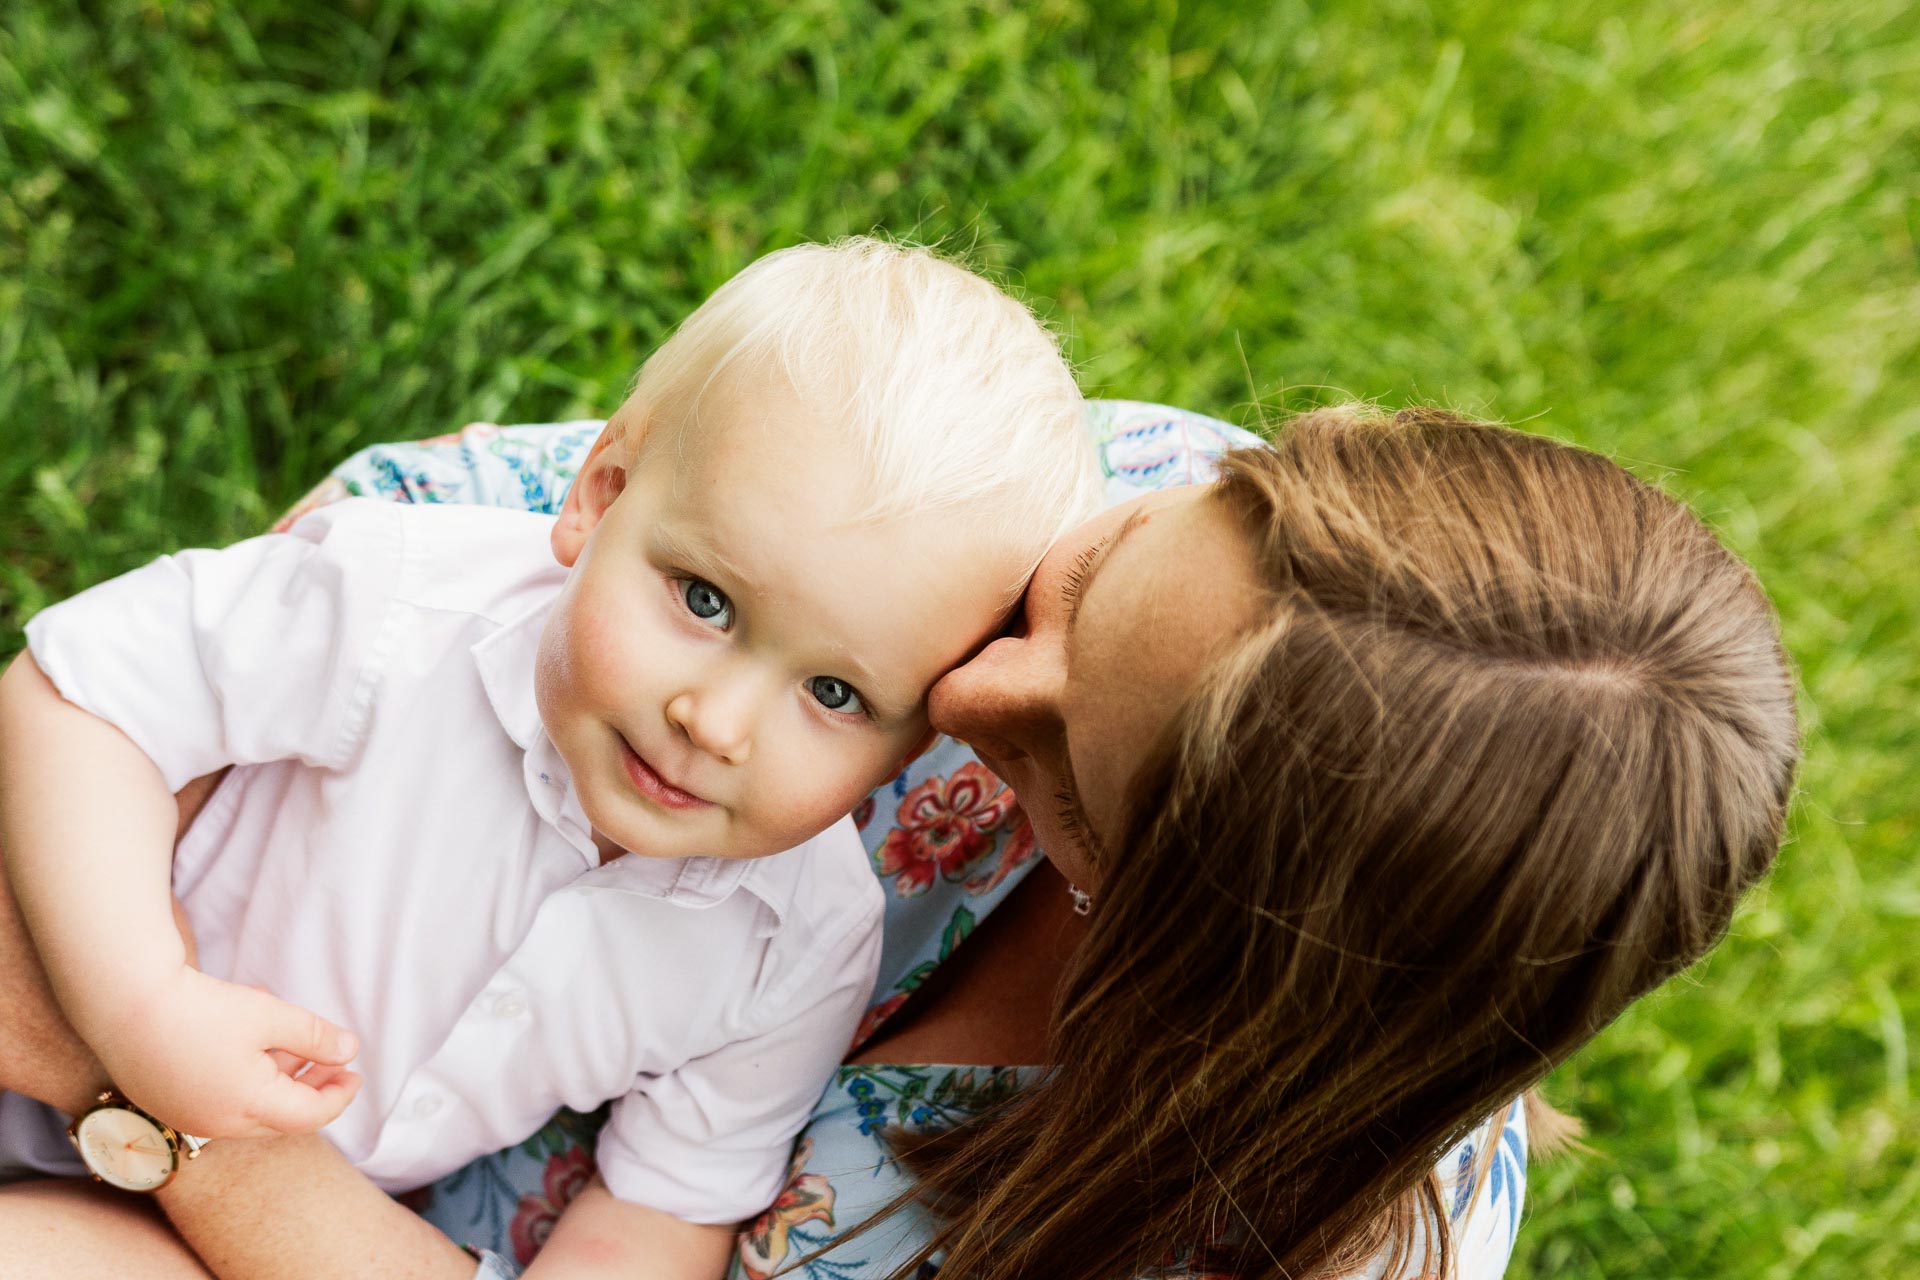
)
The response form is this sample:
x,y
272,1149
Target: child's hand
x,y
217,1060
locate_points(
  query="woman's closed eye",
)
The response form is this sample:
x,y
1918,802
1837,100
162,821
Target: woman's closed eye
x,y
1072,817
707,603
1077,573
836,695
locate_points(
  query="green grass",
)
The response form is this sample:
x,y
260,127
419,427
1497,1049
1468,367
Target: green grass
x,y
239,240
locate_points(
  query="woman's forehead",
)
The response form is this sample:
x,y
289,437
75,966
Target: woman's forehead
x,y
1167,601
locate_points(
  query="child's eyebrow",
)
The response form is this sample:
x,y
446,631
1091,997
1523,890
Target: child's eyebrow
x,y
697,553
880,696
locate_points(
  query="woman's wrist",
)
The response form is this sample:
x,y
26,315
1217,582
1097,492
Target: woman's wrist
x,y
291,1208
56,1068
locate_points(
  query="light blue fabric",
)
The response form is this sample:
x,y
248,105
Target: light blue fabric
x,y
494,1267
948,841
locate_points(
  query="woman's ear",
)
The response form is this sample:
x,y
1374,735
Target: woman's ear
x,y
602,476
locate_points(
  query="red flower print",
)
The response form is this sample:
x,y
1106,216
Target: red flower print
x,y
1016,852
565,1175
808,1198
876,1015
945,824
863,813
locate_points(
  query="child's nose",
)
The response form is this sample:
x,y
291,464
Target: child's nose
x,y
717,718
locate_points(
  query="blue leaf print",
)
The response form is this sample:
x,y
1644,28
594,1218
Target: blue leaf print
x,y
1510,1171
1462,1182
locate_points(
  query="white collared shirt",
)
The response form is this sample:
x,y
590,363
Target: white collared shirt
x,y
400,849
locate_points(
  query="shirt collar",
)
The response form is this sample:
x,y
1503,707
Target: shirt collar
x,y
505,662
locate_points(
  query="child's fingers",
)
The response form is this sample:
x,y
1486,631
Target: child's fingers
x,y
287,1105
308,1036
311,1074
320,1074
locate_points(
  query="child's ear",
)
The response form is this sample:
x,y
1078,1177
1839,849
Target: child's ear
x,y
602,476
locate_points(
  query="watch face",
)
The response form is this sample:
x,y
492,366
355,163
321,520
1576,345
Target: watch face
x,y
125,1149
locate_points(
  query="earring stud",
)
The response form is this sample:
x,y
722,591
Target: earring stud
x,y
1082,900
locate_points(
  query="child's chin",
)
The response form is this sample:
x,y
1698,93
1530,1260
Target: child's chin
x,y
644,844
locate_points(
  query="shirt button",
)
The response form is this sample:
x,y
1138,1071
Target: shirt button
x,y
509,1006
426,1106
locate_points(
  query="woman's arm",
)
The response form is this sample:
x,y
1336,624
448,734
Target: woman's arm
x,y
253,1210
274,1209
294,1209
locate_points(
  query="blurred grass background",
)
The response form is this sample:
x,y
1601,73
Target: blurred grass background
x,y
238,241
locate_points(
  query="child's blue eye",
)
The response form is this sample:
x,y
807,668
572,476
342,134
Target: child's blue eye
x,y
706,602
834,695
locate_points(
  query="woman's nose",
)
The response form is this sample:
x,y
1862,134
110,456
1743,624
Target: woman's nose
x,y
1005,703
718,715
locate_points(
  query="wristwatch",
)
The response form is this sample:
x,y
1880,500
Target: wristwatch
x,y
125,1147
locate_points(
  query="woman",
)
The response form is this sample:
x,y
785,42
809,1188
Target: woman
x,y
1390,769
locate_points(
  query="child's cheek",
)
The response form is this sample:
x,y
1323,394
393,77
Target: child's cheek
x,y
604,632
553,676
813,795
578,663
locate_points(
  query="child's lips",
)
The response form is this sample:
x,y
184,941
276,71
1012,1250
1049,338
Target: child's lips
x,y
648,782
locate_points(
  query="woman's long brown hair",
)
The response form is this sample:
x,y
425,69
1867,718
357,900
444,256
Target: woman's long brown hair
x,y
1515,736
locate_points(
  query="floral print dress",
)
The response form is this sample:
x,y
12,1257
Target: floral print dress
x,y
949,842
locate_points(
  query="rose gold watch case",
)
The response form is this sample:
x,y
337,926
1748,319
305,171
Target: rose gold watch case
x,y
176,1142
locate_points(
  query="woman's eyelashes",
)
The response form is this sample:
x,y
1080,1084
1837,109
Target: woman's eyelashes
x,y
1067,812
707,603
1076,574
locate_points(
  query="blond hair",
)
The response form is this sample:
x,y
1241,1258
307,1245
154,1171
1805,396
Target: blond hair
x,y
1512,739
952,395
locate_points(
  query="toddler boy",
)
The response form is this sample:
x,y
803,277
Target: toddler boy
x,y
547,811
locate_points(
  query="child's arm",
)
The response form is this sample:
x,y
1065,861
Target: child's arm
x,y
599,1236
88,825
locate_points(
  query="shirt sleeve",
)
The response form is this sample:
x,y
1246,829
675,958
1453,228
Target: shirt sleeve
x,y
1483,1182
711,1141
265,650
1485,1190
